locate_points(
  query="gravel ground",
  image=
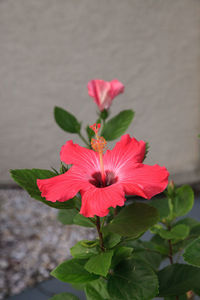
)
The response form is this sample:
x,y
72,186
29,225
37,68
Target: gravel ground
x,y
32,241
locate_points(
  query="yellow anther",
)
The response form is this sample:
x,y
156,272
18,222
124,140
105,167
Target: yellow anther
x,y
99,145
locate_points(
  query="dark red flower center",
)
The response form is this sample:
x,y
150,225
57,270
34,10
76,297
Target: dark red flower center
x,y
97,179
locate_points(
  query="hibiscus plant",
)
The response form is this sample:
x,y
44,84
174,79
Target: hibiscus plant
x,y
105,189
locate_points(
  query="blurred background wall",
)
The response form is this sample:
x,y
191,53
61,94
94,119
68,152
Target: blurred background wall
x,y
50,49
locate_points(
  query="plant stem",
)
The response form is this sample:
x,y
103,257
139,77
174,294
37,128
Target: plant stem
x,y
102,223
84,140
115,211
170,248
98,225
171,253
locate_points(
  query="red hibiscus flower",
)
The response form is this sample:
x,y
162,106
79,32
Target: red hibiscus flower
x,y
104,92
104,179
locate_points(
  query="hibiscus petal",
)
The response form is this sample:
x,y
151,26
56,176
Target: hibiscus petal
x,y
99,89
96,201
85,159
62,187
126,152
116,88
143,180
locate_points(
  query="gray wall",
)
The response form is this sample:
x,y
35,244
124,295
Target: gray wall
x,y
50,49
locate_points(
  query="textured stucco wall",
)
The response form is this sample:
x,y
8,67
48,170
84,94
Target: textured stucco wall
x,y
50,49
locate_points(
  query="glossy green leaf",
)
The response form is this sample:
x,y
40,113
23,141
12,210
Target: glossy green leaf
x,y
84,249
97,290
26,178
71,216
160,244
118,125
90,133
195,230
132,279
161,204
184,200
147,252
99,264
111,240
64,296
83,221
192,253
178,232
66,216
189,222
73,271
121,253
66,120
134,219
194,234
177,279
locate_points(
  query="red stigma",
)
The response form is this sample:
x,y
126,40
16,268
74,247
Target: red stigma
x,y
95,127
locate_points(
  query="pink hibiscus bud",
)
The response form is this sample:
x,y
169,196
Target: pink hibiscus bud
x,y
104,92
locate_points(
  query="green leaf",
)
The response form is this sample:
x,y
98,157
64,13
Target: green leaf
x,y
66,120
96,290
178,232
161,205
66,216
64,296
132,279
160,244
121,253
177,279
111,240
146,251
26,178
71,216
183,201
192,253
73,271
116,126
84,249
134,219
100,263
194,233
90,133
188,221
83,221
195,230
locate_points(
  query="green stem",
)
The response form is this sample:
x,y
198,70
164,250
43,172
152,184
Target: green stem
x,y
84,140
115,211
98,225
170,248
102,224
171,253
